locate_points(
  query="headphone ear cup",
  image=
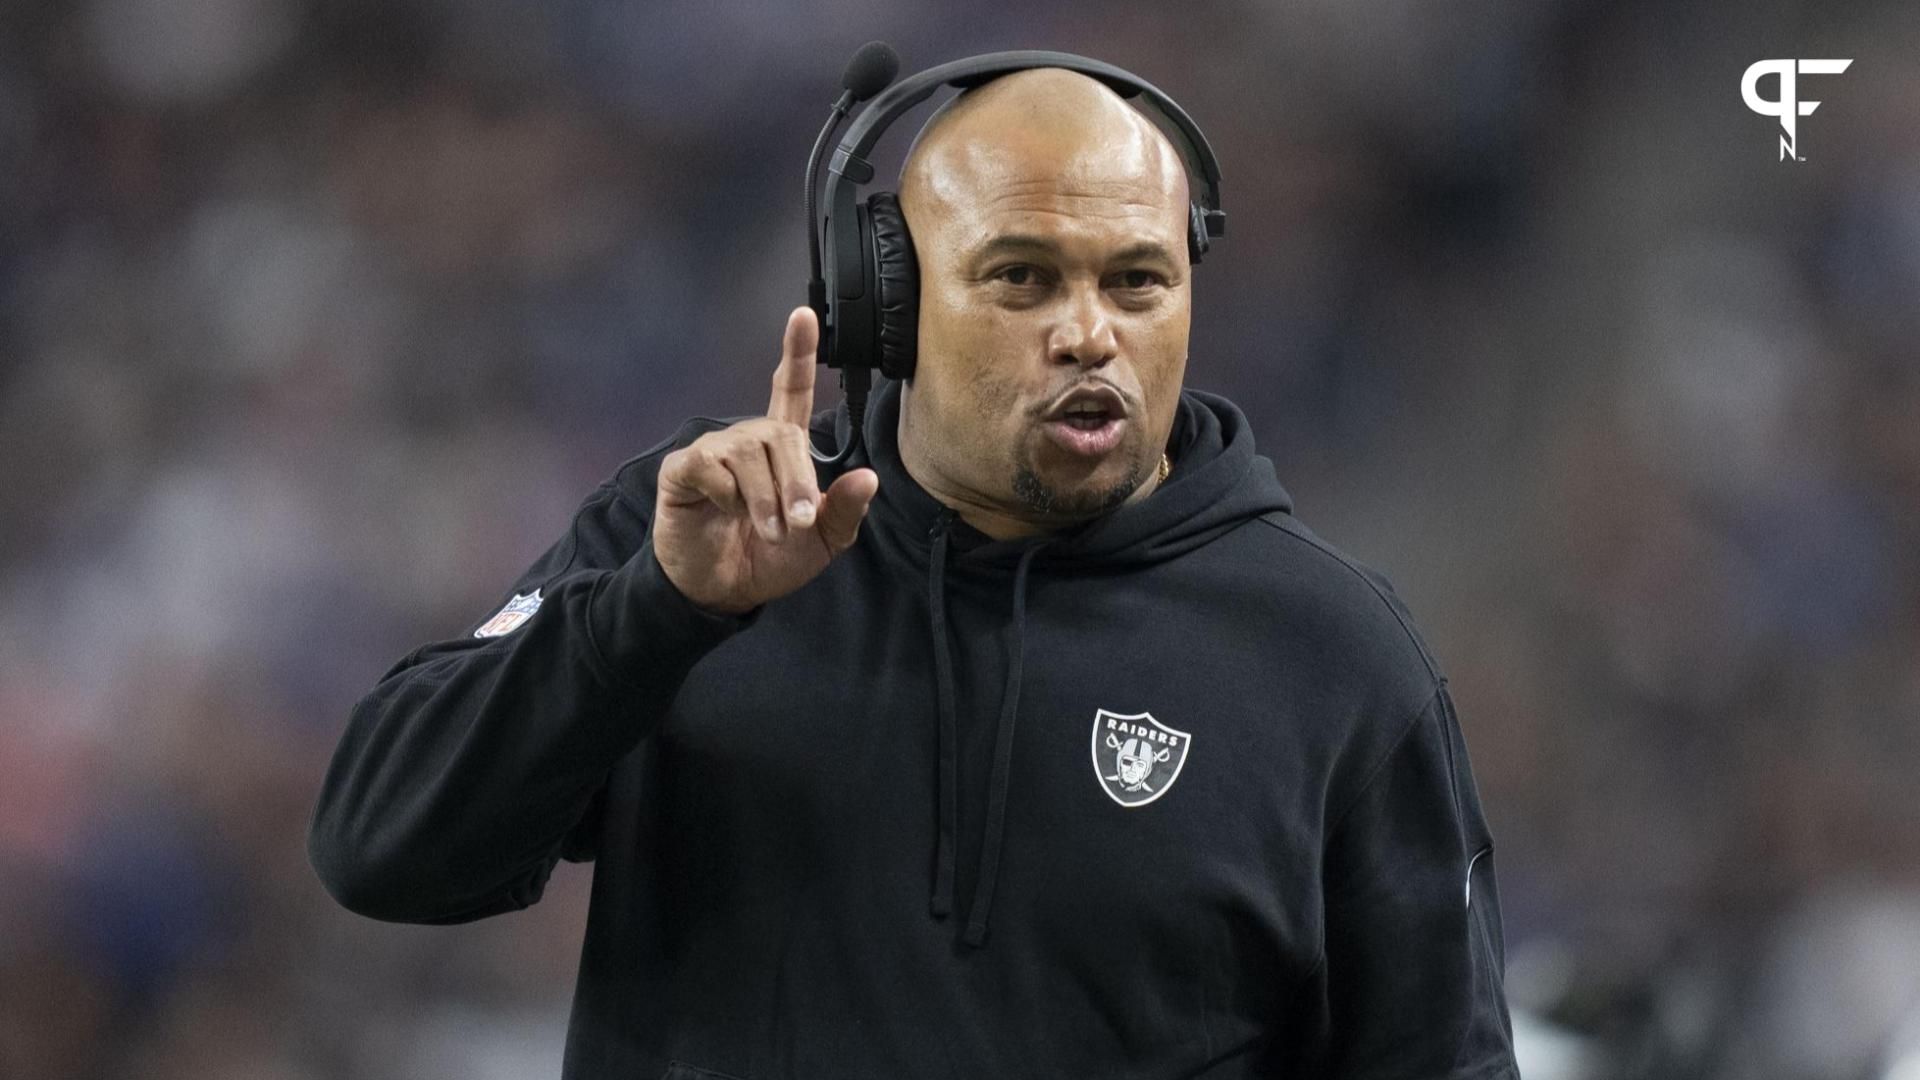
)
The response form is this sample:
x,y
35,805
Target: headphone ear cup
x,y
896,286
1196,233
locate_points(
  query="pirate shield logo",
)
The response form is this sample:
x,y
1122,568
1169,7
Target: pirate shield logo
x,y
1135,757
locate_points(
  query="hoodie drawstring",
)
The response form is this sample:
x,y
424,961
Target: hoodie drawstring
x,y
995,827
943,700
1002,761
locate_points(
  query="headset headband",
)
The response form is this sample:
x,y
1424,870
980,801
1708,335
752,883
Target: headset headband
x,y
849,159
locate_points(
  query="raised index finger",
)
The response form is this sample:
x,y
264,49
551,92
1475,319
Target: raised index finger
x,y
793,379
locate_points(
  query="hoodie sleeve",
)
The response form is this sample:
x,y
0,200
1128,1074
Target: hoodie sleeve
x,y
1414,954
475,763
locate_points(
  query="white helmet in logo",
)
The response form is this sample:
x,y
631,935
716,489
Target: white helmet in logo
x,y
1135,761
1136,758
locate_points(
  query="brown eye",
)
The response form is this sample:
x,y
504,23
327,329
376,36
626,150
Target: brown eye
x,y
1140,279
1018,274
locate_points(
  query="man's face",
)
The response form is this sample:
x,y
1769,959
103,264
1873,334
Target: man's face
x,y
1052,249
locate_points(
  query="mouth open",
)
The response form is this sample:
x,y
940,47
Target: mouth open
x,y
1087,434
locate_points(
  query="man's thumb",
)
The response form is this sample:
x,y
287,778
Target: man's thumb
x,y
844,506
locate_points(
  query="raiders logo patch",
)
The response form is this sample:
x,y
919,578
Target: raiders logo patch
x,y
518,610
1135,757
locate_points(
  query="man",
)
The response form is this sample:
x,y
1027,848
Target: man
x,y
1044,747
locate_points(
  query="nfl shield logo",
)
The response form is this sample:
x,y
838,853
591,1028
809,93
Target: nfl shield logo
x,y
1135,757
518,610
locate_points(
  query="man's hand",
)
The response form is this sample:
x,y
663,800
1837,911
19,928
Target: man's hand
x,y
740,519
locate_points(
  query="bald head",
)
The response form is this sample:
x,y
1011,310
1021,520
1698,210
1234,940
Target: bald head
x,y
1043,122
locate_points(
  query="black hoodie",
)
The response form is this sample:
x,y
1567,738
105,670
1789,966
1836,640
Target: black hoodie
x,y
1175,793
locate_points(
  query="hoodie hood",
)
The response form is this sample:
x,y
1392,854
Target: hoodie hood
x,y
1217,483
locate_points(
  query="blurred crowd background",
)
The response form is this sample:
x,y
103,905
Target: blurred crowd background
x,y
317,320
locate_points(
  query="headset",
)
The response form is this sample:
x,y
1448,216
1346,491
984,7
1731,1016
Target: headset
x,y
866,291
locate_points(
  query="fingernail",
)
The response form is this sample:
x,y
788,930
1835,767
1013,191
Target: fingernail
x,y
770,528
802,512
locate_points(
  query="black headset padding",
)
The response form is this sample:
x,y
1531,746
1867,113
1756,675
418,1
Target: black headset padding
x,y
1196,233
897,278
